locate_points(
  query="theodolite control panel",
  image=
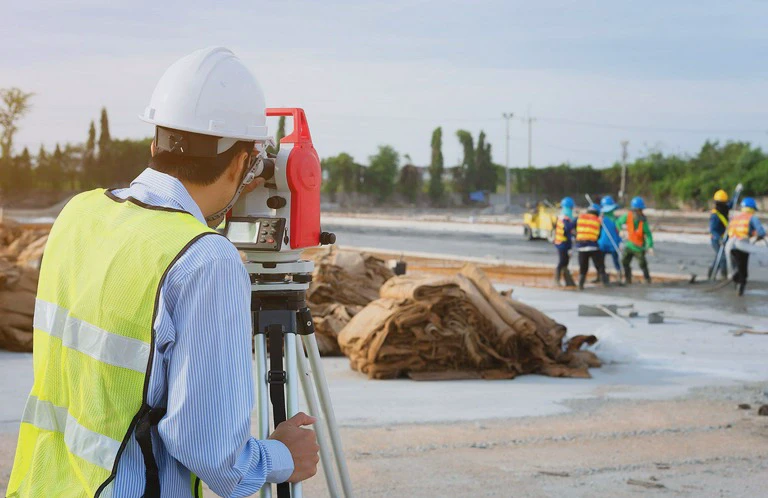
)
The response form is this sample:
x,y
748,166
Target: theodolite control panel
x,y
256,233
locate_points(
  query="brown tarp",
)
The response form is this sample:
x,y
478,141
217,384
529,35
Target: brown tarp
x,y
460,327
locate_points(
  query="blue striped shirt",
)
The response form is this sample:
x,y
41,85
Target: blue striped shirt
x,y
202,369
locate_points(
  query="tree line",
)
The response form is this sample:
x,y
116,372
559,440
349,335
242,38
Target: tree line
x,y
388,173
667,180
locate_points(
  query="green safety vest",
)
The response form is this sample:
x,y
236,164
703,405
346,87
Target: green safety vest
x,y
105,261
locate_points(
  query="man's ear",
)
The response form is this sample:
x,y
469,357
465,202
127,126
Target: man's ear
x,y
152,148
238,168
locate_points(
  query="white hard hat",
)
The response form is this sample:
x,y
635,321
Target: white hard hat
x,y
211,92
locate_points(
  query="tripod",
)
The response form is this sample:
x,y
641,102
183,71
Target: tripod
x,y
282,323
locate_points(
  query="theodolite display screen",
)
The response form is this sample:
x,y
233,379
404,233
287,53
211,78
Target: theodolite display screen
x,y
256,233
246,232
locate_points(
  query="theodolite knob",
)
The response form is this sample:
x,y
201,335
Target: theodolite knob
x,y
327,238
276,202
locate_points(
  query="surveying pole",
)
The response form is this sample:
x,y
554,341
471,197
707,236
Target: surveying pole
x,y
623,189
507,116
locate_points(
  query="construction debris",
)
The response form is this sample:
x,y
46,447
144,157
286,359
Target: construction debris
x,y
456,327
342,284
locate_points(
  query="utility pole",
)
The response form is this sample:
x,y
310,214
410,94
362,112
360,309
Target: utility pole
x,y
623,189
507,116
530,121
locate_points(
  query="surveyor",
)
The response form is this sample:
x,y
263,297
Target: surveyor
x,y
610,240
639,239
743,227
143,382
587,235
718,230
563,241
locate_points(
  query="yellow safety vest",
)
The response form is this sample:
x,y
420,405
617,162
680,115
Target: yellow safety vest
x,y
740,226
587,228
560,236
103,267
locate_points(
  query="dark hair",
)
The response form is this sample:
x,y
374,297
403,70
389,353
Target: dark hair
x,y
197,170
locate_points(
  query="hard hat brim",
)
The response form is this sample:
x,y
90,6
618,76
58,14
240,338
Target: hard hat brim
x,y
245,137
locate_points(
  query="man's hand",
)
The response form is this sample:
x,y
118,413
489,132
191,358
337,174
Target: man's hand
x,y
651,252
302,444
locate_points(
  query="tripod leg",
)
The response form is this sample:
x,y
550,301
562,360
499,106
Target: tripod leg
x,y
262,395
310,342
320,427
292,391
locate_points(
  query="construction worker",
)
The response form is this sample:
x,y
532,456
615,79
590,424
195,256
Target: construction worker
x,y
587,235
563,235
639,239
743,227
718,230
610,240
143,382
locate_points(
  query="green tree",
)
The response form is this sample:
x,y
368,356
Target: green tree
x,y
106,167
90,174
410,183
23,172
279,136
15,104
129,159
436,168
42,178
465,175
381,173
485,171
56,174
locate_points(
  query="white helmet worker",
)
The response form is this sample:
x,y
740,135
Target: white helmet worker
x,y
210,92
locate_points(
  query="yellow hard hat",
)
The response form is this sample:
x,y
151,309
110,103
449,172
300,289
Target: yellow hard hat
x,y
721,196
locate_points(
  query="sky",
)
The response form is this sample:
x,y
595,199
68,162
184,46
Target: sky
x,y
664,75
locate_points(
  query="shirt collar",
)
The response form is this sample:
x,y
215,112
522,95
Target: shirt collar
x,y
170,189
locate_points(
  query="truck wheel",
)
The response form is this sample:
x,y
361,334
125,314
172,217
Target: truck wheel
x,y
527,233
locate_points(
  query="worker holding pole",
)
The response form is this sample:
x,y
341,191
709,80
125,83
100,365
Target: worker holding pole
x,y
143,381
563,242
743,227
718,230
639,239
610,240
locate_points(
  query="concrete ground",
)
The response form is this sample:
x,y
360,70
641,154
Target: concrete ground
x,y
659,418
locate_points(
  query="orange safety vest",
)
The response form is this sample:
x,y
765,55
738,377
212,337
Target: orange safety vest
x,y
587,228
560,236
740,226
635,235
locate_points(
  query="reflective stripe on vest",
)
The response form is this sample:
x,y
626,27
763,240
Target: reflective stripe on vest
x,y
587,228
740,226
560,236
104,264
635,234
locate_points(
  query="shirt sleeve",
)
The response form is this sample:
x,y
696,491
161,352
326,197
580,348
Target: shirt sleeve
x,y
648,235
210,384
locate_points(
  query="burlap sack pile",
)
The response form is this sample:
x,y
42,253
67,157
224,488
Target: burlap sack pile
x,y
20,253
342,284
439,328
22,246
